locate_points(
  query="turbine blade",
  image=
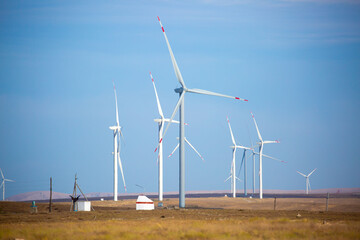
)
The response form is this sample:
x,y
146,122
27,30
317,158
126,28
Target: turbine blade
x,y
247,126
172,117
257,129
250,156
309,185
116,106
232,136
157,97
176,68
2,184
121,170
173,121
9,180
276,141
242,147
267,156
234,156
227,178
238,179
200,91
2,175
122,136
301,174
177,146
242,162
118,142
312,172
194,149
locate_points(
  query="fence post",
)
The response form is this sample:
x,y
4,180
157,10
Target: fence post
x,y
327,202
275,203
50,203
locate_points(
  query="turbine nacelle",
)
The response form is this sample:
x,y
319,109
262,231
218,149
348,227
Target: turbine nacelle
x,y
180,90
115,128
161,120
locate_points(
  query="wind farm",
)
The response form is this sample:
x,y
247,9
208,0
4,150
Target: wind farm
x,y
268,75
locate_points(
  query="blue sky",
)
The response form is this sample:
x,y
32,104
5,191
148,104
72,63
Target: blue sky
x,y
298,63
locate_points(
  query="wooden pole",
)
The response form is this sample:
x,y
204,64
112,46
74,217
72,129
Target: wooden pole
x,y
50,203
275,203
327,202
72,207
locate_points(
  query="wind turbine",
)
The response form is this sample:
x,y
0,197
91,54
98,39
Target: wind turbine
x,y
161,122
253,153
3,180
180,104
117,132
233,174
307,180
261,147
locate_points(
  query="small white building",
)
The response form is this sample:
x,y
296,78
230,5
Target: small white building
x,y
83,206
144,203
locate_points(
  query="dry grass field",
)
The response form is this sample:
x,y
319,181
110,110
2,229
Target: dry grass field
x,y
204,218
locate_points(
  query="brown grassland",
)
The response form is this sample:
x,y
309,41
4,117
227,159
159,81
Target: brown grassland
x,y
204,218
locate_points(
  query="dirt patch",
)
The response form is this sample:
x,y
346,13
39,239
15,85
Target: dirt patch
x,y
202,208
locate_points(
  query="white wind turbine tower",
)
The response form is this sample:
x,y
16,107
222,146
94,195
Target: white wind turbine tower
x,y
261,147
180,104
307,180
233,172
161,122
3,180
117,132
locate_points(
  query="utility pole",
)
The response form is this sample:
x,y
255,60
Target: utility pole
x,y
75,198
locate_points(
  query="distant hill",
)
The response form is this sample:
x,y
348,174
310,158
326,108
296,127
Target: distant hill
x,y
44,195
38,195
316,191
